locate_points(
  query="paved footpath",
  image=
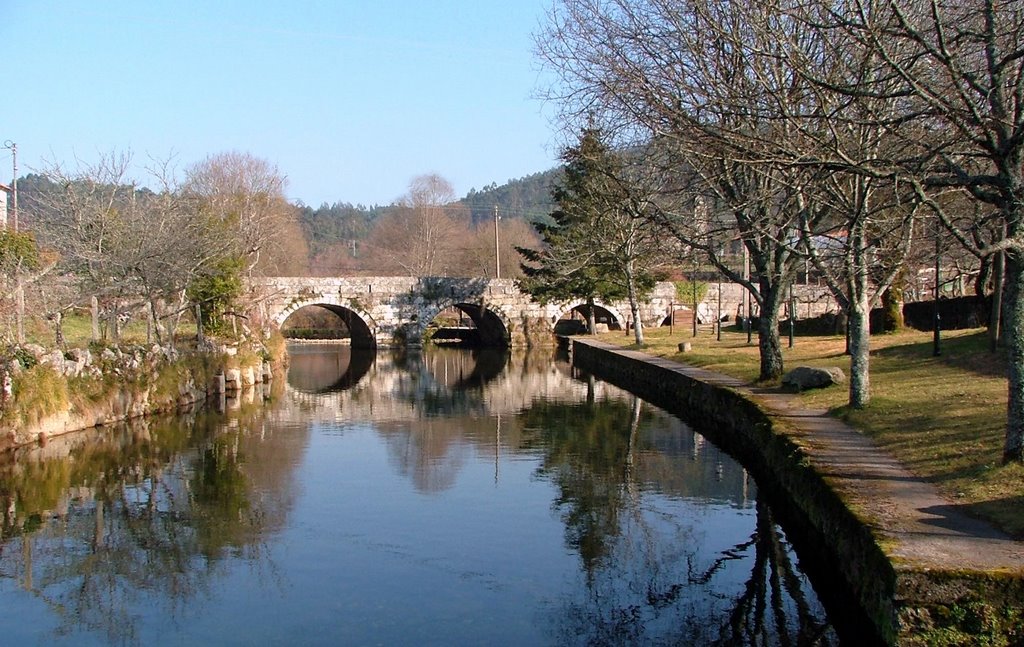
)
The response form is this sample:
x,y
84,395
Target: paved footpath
x,y
920,528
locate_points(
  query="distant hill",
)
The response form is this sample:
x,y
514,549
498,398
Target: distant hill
x,y
528,198
341,222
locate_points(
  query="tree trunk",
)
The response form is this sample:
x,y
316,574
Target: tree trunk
x,y
591,318
1013,449
769,343
94,308
154,321
199,324
113,325
859,336
634,308
996,313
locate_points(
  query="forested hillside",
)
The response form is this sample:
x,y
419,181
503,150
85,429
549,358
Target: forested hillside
x,y
528,198
344,238
341,222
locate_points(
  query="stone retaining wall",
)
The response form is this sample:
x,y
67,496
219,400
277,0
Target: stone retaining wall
x,y
139,382
828,536
899,602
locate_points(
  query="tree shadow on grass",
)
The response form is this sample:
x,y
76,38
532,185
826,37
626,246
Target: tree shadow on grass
x,y
968,352
1005,511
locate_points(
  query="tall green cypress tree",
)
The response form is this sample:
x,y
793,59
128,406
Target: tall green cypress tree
x,y
591,247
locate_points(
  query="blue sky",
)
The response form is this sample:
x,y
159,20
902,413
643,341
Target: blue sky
x,y
349,99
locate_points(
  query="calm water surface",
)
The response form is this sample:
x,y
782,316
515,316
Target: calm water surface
x,y
448,498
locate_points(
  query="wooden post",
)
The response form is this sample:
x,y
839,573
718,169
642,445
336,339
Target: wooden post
x,y
719,316
58,325
199,323
693,285
94,305
20,305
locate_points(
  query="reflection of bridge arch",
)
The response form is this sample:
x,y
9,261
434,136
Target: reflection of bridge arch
x,y
601,309
492,326
327,368
458,370
361,326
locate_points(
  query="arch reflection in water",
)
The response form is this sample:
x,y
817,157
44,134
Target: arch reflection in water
x,y
326,368
459,370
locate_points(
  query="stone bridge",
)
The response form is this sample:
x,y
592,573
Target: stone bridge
x,y
395,311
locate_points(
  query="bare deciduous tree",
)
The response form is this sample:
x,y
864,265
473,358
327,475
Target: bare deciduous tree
x,y
245,195
688,80
419,237
954,69
124,245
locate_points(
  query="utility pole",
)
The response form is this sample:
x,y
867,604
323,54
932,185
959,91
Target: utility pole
x,y
14,182
497,258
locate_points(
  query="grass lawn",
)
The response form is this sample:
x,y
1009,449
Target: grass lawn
x,y
943,417
78,331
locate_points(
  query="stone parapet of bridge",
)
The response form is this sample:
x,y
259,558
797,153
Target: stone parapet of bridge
x,y
394,311
384,311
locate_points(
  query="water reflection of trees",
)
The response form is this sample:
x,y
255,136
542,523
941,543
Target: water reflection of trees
x,y
661,602
430,455
654,576
759,615
142,520
585,451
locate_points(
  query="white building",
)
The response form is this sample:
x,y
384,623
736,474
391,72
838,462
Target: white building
x,y
4,190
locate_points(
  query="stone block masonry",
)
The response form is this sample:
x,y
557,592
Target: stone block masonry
x,y
396,310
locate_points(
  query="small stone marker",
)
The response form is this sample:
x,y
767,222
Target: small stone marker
x,y
685,347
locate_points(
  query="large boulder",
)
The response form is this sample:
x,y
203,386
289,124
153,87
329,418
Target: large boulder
x,y
809,377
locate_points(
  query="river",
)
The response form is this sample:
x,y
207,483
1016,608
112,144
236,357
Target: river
x,y
447,497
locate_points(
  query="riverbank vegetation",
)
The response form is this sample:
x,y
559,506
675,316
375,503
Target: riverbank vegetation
x,y
942,417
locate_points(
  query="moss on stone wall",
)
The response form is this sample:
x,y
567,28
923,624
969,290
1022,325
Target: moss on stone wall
x,y
63,393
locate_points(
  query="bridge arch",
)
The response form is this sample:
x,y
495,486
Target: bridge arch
x,y
361,325
493,326
616,320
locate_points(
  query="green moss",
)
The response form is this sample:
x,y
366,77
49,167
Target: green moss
x,y
967,622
